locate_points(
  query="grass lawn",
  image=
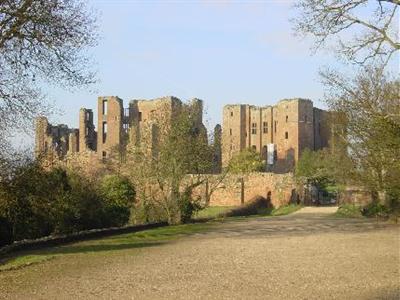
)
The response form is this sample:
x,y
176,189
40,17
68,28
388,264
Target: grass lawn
x,y
212,211
108,245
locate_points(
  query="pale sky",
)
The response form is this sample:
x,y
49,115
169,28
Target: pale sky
x,y
222,52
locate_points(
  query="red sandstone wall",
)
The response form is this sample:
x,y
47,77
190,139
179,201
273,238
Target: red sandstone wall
x,y
229,192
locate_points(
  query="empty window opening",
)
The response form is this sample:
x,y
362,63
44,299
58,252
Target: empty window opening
x,y
140,116
265,127
253,128
104,155
231,113
254,148
105,107
286,135
265,152
287,118
230,131
105,129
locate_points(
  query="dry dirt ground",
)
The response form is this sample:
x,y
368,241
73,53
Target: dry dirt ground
x,y
306,255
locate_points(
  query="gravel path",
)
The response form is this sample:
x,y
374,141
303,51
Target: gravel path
x,y
306,255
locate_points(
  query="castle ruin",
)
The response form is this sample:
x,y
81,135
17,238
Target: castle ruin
x,y
279,133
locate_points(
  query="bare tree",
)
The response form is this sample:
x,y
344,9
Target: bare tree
x,y
41,41
167,172
374,22
369,109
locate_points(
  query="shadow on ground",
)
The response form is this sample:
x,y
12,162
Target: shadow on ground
x,y
302,224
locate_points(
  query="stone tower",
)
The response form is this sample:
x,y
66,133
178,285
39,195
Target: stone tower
x,y
109,125
279,132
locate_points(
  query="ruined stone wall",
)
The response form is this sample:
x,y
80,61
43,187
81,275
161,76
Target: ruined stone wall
x,y
150,120
233,131
306,126
322,128
88,135
286,134
73,141
217,144
54,140
281,188
145,122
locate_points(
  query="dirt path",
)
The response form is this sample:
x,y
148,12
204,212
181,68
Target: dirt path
x,y
306,255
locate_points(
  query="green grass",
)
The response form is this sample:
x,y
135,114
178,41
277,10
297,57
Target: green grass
x,y
285,210
105,246
349,211
212,212
267,212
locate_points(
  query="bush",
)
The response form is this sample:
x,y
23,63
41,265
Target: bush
x,y
119,195
246,161
6,236
349,210
375,210
188,206
35,202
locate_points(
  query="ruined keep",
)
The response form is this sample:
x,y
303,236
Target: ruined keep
x,y
279,133
117,127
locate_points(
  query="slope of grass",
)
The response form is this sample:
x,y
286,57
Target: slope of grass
x,y
285,210
107,246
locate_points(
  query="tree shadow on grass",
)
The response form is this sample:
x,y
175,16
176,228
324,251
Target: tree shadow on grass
x,y
73,249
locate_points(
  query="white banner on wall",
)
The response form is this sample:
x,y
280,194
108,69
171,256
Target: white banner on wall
x,y
270,153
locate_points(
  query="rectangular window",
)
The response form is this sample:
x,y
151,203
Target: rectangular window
x,y
231,113
287,118
253,128
230,131
105,107
87,131
105,128
140,116
286,135
104,155
265,127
